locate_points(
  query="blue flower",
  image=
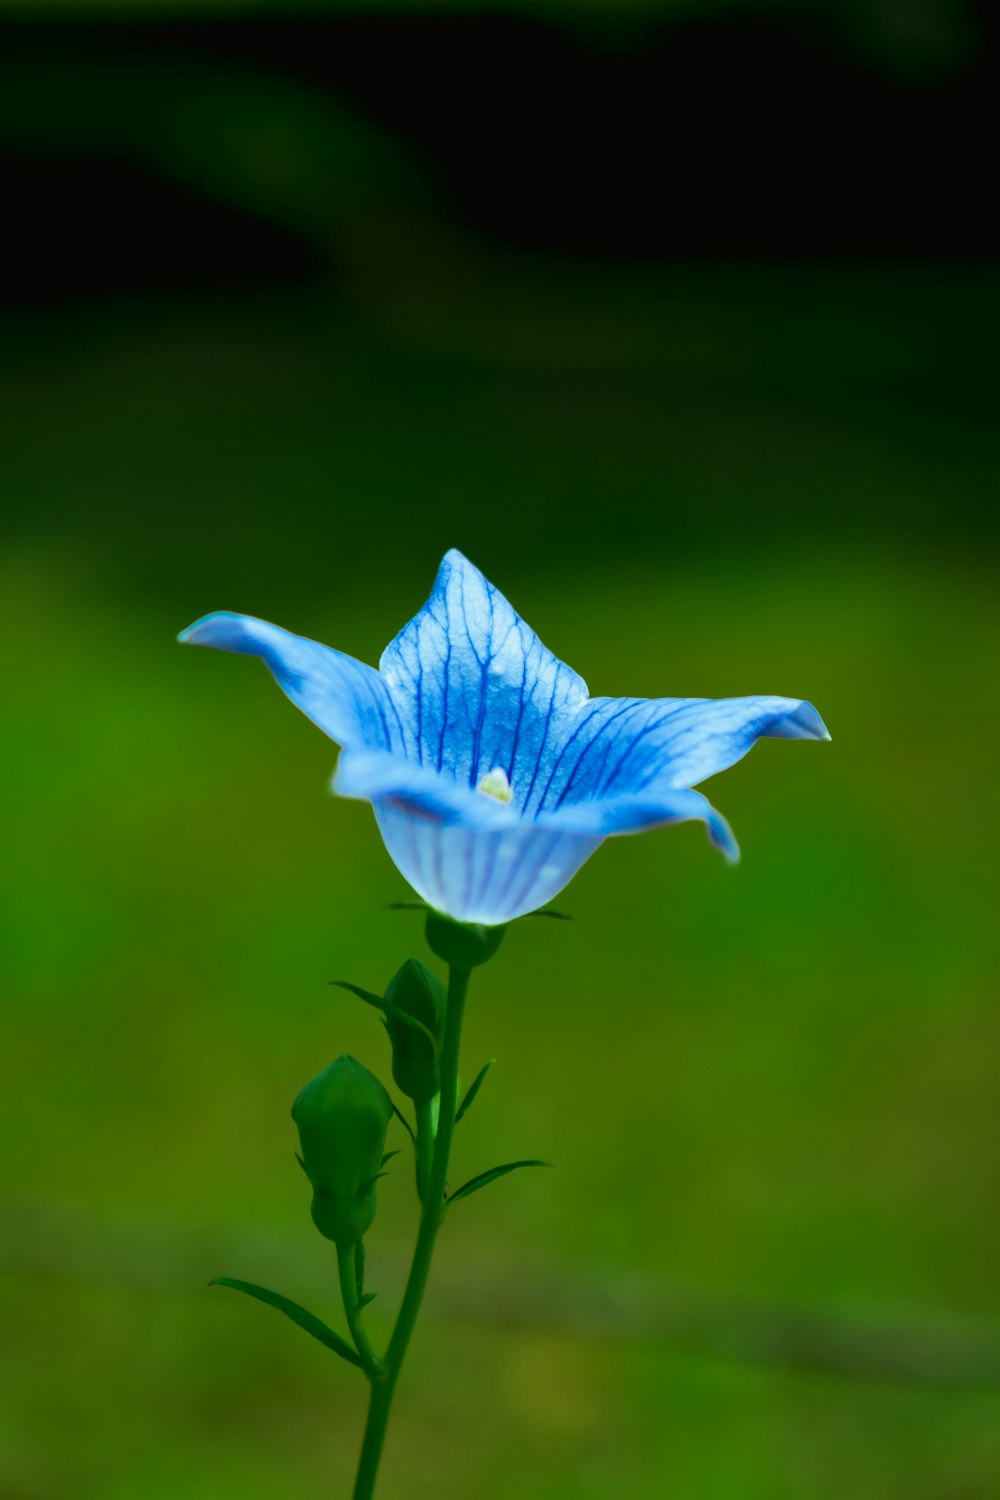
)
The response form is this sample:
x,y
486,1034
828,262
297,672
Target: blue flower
x,y
492,772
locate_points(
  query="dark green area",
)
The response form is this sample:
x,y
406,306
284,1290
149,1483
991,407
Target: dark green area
x,y
765,1265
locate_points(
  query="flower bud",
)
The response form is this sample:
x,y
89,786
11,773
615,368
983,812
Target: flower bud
x,y
342,1117
416,992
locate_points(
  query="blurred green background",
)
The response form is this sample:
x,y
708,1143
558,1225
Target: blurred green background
x,y
681,321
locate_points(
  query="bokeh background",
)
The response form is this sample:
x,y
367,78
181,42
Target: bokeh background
x,y
680,319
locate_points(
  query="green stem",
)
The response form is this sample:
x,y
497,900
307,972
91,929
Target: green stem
x,y
383,1384
425,1147
370,1361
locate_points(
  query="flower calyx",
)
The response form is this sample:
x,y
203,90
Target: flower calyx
x,y
462,945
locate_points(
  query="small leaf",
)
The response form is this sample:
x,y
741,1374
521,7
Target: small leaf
x,y
364,1301
365,995
474,1088
302,1165
407,906
387,1009
485,1178
387,1157
297,1314
398,1014
405,1122
556,916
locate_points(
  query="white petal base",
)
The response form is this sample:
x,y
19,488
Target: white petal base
x,y
483,876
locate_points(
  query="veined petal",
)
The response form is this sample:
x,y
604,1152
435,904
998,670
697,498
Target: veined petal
x,y
476,688
637,745
481,875
491,773
634,812
347,699
379,775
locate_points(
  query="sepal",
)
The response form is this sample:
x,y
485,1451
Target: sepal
x,y
463,945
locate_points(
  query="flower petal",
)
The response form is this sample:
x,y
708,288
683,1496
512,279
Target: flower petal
x,y
638,745
481,875
632,813
380,775
476,688
347,699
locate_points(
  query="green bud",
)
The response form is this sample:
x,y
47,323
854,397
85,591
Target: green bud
x,y
464,945
416,992
342,1117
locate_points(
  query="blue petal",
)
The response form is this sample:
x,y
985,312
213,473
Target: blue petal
x,y
474,857
632,813
638,745
347,699
378,775
478,875
476,688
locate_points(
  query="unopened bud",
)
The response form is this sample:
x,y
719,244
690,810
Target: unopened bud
x,y
342,1116
418,993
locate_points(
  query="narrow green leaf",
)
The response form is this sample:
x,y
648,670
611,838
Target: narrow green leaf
x,y
485,1178
474,1088
297,1314
379,1003
405,1122
556,916
364,1301
403,1015
387,1157
407,906
365,995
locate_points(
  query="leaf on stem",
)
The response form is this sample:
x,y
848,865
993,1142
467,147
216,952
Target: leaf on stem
x,y
364,1300
365,995
474,1088
398,1014
299,1315
485,1178
556,916
405,1122
378,1002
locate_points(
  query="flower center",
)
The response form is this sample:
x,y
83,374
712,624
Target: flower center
x,y
495,784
